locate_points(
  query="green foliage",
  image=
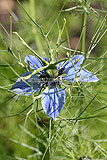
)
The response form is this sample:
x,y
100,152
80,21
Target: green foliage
x,y
80,129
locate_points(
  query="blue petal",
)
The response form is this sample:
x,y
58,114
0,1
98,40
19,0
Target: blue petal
x,y
81,74
52,101
46,59
78,60
68,65
86,76
33,62
21,87
70,76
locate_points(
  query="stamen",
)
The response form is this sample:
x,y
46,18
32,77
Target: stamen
x,y
59,67
76,60
34,65
60,78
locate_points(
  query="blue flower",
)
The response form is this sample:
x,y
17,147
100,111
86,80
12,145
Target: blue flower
x,y
53,97
85,158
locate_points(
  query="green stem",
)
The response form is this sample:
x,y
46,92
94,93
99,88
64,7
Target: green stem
x,y
37,25
41,31
34,31
84,20
50,139
60,34
83,32
10,30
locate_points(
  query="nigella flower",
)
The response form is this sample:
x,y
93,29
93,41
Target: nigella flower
x,y
53,96
85,158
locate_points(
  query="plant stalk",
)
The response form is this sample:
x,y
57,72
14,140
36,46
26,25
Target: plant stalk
x,y
84,21
34,31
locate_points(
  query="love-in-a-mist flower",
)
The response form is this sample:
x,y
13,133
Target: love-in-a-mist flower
x,y
53,96
84,158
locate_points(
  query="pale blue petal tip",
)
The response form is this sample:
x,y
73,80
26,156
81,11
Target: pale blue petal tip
x,y
52,101
86,76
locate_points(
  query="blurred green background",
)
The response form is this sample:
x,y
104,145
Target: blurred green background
x,y
60,139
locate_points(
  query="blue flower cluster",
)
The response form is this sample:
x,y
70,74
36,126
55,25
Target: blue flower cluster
x,y
53,97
